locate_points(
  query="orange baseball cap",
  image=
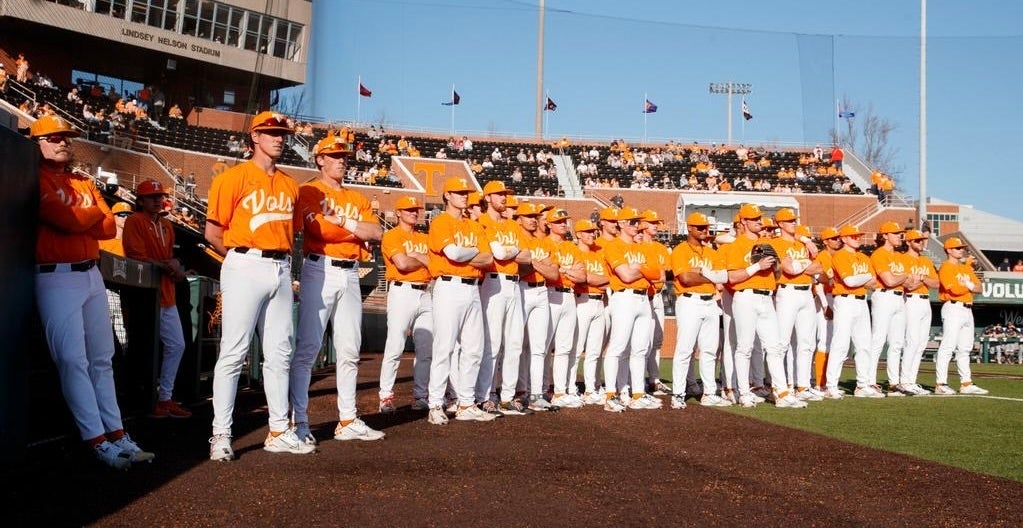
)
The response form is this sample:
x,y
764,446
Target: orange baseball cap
x,y
888,228
849,230
651,216
829,232
913,234
269,120
120,207
769,224
407,202
802,230
150,188
51,125
495,186
750,212
954,242
609,213
629,213
785,214
584,225
697,219
457,185
557,215
528,209
474,198
545,208
511,203
332,145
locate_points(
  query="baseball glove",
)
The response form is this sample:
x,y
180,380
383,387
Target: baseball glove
x,y
763,250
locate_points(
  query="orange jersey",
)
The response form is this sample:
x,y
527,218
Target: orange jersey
x,y
950,289
446,229
595,265
113,246
398,241
566,254
845,264
600,242
618,252
148,240
737,256
316,200
506,232
920,266
541,248
885,259
657,255
256,210
826,258
72,218
794,250
685,258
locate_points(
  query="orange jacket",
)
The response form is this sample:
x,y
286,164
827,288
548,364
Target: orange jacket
x,y
72,218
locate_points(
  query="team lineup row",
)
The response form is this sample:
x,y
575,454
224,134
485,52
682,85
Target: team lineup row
x,y
496,286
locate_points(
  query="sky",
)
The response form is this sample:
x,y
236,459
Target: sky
x,y
603,58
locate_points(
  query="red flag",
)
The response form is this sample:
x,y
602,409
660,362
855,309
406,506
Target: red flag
x,y
363,91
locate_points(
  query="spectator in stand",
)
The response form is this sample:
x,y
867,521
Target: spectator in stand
x,y
175,112
21,68
496,155
818,153
441,154
466,144
521,156
72,96
836,157
1005,265
1018,268
487,164
234,146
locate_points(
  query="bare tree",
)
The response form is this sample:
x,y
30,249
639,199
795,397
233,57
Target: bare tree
x,y
869,136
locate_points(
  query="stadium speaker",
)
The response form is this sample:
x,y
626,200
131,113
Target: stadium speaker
x,y
172,64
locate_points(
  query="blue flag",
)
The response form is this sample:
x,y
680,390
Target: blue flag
x,y
649,107
846,115
455,99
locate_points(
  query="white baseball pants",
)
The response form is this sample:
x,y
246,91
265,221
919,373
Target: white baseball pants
x,y
754,317
255,293
797,312
698,324
76,320
537,316
563,328
851,322
502,318
630,330
590,338
727,342
457,318
408,309
653,361
918,332
888,324
956,336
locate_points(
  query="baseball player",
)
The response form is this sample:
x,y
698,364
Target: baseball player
x,y
657,254
698,269
71,298
536,311
794,301
631,319
752,283
589,302
150,238
608,226
888,306
853,275
121,212
459,255
502,304
561,297
728,380
409,304
338,222
825,305
958,284
918,310
475,206
251,221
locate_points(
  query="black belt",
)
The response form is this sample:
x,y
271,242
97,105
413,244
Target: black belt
x,y
270,254
918,295
805,287
968,305
594,296
534,284
513,278
861,297
561,289
463,280
896,292
758,291
337,263
413,285
698,296
629,290
85,265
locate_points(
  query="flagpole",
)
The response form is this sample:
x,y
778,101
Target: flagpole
x,y
838,122
645,113
358,104
453,109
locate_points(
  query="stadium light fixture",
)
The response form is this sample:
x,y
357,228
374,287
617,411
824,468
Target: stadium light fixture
x,y
729,88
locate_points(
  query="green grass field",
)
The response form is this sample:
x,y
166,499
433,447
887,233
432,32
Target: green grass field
x,y
976,433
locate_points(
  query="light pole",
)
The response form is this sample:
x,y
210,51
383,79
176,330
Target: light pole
x,y
730,88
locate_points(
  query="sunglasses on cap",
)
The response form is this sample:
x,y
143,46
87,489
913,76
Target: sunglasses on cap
x,y
700,228
56,139
123,215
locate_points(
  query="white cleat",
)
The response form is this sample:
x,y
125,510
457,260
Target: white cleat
x,y
713,400
356,430
789,402
287,442
972,389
